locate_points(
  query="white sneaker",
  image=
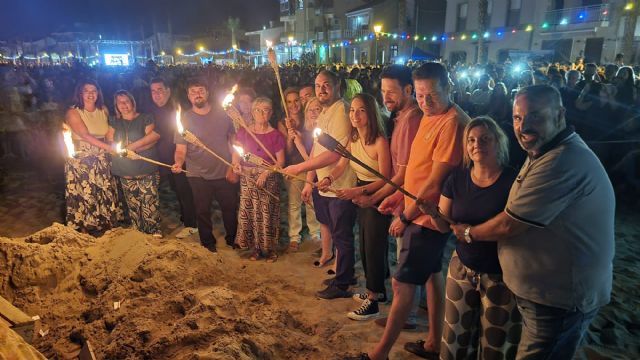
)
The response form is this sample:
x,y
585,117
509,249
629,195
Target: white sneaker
x,y
186,232
157,235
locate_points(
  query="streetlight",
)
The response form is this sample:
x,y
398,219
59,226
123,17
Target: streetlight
x,y
377,29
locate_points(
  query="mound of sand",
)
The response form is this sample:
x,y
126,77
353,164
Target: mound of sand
x,y
177,299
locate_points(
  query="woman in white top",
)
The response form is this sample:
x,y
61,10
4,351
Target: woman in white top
x,y
91,192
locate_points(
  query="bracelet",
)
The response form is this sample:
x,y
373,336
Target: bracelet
x,y
404,219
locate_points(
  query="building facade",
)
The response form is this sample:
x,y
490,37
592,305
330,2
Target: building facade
x,y
556,30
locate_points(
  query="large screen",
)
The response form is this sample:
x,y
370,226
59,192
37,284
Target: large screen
x,y
116,59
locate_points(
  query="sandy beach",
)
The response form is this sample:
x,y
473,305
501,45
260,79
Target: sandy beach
x,y
179,301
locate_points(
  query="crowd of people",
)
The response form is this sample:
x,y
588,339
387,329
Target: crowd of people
x,y
516,161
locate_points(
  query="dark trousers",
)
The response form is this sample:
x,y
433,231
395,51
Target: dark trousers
x,y
374,247
180,186
226,194
342,217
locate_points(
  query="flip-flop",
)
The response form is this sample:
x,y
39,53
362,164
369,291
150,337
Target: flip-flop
x,y
417,348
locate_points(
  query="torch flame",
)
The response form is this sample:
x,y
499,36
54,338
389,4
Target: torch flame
x,y
119,148
317,132
229,98
239,150
178,122
269,43
68,142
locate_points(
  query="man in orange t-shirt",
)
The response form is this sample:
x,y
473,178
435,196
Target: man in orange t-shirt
x,y
435,152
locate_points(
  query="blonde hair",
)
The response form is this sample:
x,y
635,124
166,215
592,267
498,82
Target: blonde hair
x,y
307,121
501,139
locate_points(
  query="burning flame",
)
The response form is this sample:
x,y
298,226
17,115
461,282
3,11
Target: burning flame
x,y
317,132
68,142
178,122
229,98
119,148
239,150
269,43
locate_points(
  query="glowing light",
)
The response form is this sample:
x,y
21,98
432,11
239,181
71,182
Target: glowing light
x,y
529,28
162,53
499,33
238,149
629,6
416,37
68,142
474,36
464,74
400,61
377,28
317,132
545,25
229,98
517,69
564,21
463,37
513,31
477,74
485,35
582,15
434,38
201,48
178,122
119,149
269,44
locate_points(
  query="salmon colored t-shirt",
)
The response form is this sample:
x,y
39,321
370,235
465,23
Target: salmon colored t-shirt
x,y
439,139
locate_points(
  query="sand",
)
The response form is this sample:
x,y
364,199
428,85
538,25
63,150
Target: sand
x,y
180,301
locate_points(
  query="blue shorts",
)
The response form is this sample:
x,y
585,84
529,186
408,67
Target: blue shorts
x,y
420,255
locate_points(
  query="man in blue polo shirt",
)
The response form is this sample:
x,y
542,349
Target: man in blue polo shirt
x,y
556,234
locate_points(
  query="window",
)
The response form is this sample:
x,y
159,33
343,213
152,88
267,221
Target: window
x,y
394,50
360,22
513,12
461,24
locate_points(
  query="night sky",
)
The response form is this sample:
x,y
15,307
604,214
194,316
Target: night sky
x,y
33,19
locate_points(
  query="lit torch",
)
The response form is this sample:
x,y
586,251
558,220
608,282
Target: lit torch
x,y
330,143
132,155
191,138
68,142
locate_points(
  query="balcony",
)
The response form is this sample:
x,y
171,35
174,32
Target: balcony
x,y
342,34
576,19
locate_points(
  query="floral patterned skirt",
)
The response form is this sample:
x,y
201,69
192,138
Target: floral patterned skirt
x,y
91,192
141,197
259,214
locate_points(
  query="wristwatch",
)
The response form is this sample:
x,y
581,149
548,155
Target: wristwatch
x,y
404,219
467,235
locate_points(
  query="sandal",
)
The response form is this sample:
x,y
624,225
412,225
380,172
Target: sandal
x,y
271,258
294,246
255,256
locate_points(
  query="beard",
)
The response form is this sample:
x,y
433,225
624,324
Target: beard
x,y
200,103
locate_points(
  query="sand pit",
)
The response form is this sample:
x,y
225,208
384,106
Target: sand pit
x,y
179,301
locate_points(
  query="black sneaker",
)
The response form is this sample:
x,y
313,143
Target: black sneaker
x,y
368,310
364,296
333,292
329,281
211,247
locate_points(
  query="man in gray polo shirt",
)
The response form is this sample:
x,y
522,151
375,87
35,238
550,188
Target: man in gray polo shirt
x,y
556,234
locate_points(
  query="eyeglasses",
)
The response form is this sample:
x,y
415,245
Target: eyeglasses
x,y
263,111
